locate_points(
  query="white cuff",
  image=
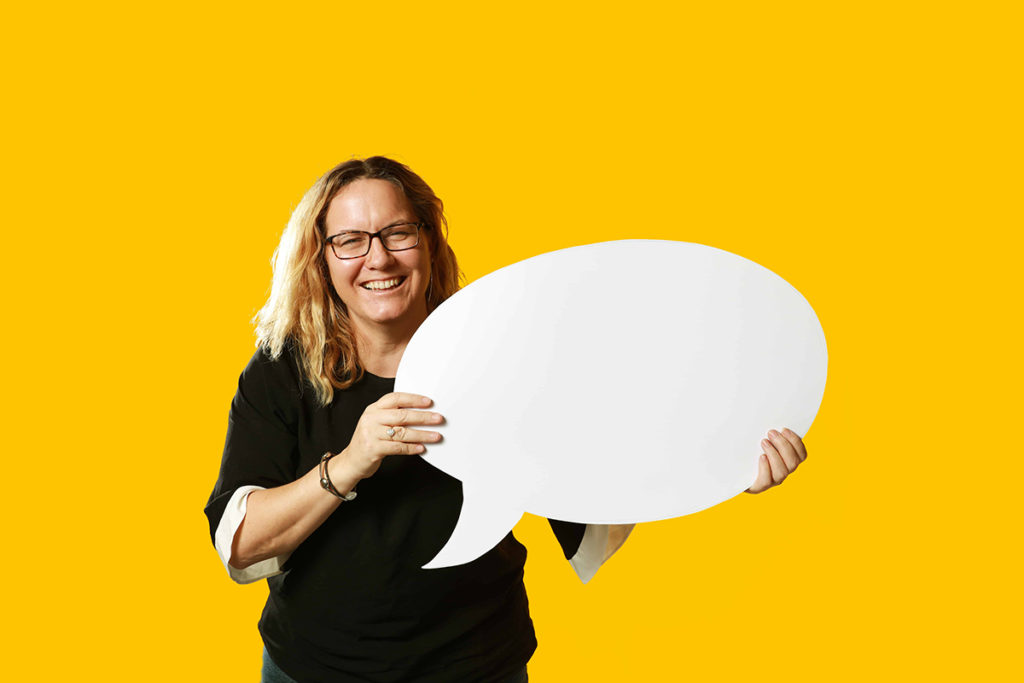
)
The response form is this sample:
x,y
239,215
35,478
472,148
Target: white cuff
x,y
229,523
590,555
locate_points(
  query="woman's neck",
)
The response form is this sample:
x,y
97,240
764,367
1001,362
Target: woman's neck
x,y
381,347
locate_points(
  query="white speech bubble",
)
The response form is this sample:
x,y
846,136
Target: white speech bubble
x,y
611,383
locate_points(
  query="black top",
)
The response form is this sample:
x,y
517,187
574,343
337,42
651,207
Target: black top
x,y
352,603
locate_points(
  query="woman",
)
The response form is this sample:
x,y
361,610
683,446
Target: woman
x,y
361,264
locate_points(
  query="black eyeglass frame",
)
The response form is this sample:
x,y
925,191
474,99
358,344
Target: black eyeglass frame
x,y
420,225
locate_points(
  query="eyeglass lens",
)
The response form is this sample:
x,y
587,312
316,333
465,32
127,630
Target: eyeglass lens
x,y
395,238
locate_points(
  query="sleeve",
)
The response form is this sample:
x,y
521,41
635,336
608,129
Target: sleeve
x,y
233,515
569,535
584,545
590,555
261,447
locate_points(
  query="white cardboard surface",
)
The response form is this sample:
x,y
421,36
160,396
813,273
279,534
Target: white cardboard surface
x,y
617,382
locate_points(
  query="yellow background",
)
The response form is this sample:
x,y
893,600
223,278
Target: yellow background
x,y
869,153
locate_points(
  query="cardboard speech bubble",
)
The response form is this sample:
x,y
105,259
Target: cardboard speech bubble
x,y
611,383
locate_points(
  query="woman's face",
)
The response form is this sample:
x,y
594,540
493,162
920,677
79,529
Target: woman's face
x,y
370,205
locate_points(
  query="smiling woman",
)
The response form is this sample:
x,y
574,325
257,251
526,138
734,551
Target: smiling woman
x,y
364,260
362,263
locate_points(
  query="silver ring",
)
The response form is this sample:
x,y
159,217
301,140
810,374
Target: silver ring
x,y
390,431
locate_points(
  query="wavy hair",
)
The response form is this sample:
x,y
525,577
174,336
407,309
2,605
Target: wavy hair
x,y
304,311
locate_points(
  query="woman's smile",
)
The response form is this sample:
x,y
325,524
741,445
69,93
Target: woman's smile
x,y
384,286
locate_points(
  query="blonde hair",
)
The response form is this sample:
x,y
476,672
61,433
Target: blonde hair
x,y
304,311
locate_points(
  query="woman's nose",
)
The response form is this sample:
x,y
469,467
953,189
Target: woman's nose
x,y
378,256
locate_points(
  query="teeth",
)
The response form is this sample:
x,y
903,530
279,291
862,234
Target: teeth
x,y
382,284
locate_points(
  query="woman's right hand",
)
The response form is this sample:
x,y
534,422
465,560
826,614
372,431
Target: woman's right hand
x,y
371,442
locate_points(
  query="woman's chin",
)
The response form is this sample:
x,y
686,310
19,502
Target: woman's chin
x,y
397,316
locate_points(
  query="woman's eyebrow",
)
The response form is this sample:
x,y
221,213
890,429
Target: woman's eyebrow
x,y
400,221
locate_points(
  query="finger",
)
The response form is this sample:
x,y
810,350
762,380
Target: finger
x,y
399,399
798,444
764,475
401,448
779,470
404,416
785,449
412,435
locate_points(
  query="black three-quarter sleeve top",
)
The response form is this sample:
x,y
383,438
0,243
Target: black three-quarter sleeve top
x,y
352,603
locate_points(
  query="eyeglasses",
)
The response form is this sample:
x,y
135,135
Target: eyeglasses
x,y
355,243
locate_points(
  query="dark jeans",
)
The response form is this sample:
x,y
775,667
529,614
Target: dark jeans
x,y
273,674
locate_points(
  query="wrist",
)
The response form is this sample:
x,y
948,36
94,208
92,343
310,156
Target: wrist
x,y
341,473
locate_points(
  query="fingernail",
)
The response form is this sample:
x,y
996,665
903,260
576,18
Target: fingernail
x,y
765,442
772,432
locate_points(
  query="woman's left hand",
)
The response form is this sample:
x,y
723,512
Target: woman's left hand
x,y
783,453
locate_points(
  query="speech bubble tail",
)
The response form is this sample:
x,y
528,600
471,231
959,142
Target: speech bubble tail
x,y
481,526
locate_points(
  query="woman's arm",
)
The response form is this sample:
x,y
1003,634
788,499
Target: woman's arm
x,y
278,519
783,452
234,513
617,535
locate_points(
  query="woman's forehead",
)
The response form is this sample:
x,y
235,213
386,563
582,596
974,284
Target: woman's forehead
x,y
369,202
